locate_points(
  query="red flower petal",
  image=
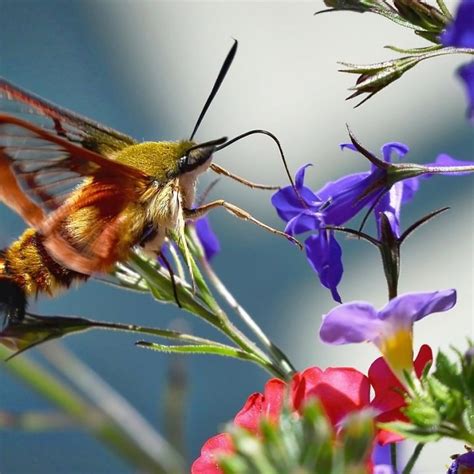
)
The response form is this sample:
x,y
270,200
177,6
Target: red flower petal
x,y
258,406
389,392
303,382
340,390
385,437
213,447
425,355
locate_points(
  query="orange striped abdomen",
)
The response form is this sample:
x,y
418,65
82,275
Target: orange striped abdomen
x,y
27,263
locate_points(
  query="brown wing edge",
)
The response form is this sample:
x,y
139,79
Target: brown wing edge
x,y
54,111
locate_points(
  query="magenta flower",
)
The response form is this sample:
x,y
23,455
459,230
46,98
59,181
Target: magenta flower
x,y
390,329
460,33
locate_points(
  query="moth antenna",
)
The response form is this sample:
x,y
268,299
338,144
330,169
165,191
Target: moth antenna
x,y
280,149
217,84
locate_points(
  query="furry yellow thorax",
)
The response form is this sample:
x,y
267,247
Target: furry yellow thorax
x,y
157,159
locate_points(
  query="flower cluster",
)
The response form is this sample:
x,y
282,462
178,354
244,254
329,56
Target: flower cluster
x,y
341,391
384,190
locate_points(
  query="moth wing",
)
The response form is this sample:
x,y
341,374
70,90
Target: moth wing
x,y
61,122
48,180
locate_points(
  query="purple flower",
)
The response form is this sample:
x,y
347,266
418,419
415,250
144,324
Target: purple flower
x,y
400,193
207,237
335,204
386,187
460,33
463,464
390,329
381,459
466,73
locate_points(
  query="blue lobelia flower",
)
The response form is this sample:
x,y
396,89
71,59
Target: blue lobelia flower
x,y
207,237
460,33
334,204
390,329
386,187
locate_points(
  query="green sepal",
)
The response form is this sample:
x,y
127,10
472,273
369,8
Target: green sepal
x,y
410,431
358,434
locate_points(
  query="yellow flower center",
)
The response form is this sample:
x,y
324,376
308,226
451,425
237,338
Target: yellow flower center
x,y
397,350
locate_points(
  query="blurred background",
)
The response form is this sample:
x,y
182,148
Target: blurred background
x,y
146,68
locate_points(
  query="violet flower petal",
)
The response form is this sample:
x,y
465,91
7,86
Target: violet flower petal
x,y
463,463
332,188
288,205
303,222
390,204
410,187
466,73
394,147
357,321
406,309
324,255
460,32
207,237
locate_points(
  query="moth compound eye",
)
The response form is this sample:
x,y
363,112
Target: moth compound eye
x,y
183,163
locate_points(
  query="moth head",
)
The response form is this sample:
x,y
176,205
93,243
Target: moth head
x,y
168,160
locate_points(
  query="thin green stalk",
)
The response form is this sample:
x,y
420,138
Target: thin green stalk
x,y
444,9
393,456
413,458
162,460
214,316
276,353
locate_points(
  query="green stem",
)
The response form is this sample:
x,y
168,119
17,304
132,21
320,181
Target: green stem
x,y
161,460
393,456
413,458
444,52
449,169
276,353
234,334
214,316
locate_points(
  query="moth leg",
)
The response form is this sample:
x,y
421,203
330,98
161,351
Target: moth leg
x,y
237,212
173,281
219,170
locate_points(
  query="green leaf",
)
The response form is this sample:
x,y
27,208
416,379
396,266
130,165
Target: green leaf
x,y
447,372
212,348
35,329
